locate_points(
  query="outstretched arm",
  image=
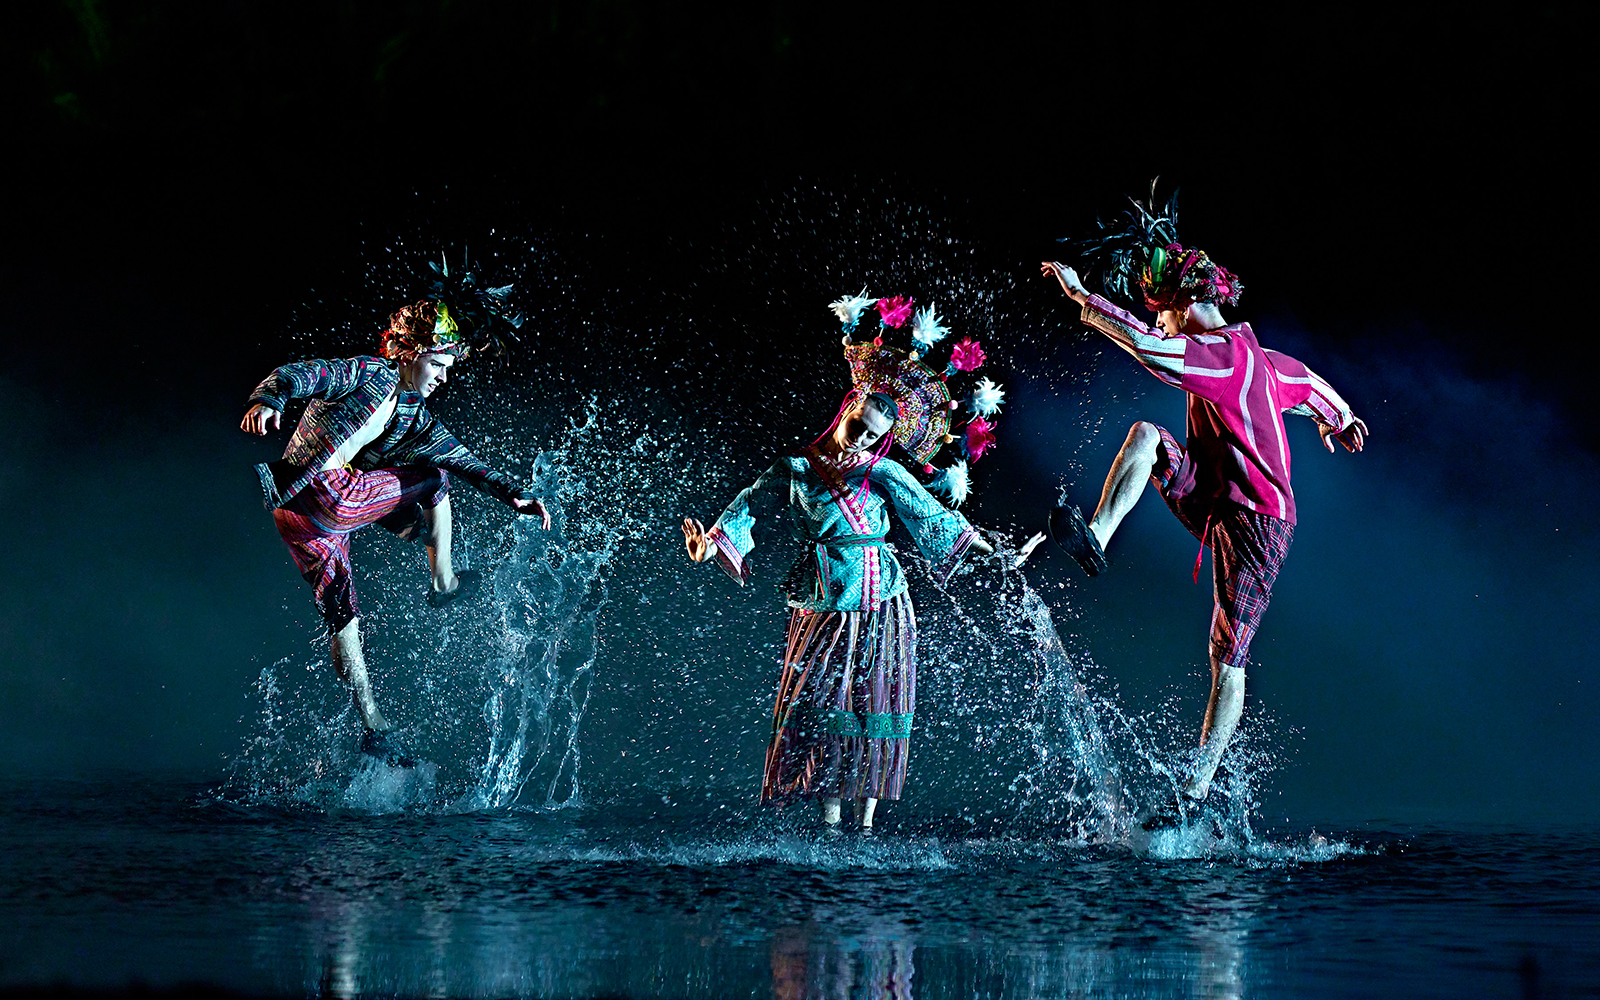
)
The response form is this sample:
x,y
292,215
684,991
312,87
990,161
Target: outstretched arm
x,y
1161,354
303,379
431,443
943,536
732,538
1304,393
298,380
1069,281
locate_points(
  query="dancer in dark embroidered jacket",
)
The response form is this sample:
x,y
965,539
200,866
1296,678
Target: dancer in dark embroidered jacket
x,y
367,451
1229,484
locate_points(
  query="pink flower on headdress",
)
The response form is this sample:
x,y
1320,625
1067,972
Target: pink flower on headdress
x,y
967,355
895,310
980,436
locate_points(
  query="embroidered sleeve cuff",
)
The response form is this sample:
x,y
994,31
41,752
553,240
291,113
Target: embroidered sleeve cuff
x,y
958,552
1099,313
728,557
265,400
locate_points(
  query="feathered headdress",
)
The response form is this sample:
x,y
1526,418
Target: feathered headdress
x,y
921,393
457,317
1142,250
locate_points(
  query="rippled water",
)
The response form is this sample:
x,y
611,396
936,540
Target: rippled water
x,y
156,882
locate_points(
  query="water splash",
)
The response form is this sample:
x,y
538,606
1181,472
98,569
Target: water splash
x,y
1021,733
526,654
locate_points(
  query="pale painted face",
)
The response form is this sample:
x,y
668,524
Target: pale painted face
x,y
861,429
428,372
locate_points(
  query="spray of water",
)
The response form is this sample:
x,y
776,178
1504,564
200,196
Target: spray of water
x,y
525,655
1020,734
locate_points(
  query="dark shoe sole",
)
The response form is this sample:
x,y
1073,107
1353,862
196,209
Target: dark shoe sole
x,y
471,580
1070,531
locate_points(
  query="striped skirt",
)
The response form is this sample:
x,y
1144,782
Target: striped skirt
x,y
842,723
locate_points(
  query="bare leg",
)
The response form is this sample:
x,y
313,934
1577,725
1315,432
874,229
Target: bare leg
x,y
864,809
350,664
1125,482
444,573
1222,718
830,812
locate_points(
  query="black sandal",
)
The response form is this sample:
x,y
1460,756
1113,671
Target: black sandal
x,y
471,580
1071,532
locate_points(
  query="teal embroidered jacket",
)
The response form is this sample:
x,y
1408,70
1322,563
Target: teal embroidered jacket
x,y
845,567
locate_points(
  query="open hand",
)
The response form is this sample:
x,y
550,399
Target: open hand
x,y
1354,437
1068,278
533,508
695,540
1027,548
260,418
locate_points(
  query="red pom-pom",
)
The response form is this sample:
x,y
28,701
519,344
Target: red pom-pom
x,y
895,310
877,341
967,355
927,470
980,437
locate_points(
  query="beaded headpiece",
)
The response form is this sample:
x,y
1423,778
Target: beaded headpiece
x,y
921,393
1142,250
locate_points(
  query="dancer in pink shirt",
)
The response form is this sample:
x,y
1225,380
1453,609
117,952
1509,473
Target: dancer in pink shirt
x,y
1229,483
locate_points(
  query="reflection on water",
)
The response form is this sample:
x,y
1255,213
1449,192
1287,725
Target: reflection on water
x,y
119,885
831,955
807,965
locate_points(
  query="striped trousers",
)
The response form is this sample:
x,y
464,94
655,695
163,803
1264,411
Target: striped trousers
x,y
841,726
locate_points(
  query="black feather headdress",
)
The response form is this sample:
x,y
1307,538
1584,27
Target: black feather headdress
x,y
484,313
1141,251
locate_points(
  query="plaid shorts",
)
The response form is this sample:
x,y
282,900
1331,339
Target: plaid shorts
x,y
1247,550
316,525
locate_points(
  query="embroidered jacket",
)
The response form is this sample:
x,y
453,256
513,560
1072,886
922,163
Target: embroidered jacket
x,y
1238,393
845,567
344,394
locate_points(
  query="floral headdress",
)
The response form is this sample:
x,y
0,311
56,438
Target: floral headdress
x,y
456,318
1142,250
922,394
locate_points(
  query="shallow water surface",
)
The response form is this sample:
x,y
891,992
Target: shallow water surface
x,y
140,881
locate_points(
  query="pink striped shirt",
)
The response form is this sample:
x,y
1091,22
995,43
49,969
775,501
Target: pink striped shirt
x,y
1238,394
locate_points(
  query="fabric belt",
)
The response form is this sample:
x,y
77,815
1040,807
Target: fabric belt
x,y
843,541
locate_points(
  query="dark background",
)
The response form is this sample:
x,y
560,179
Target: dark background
x,y
1401,191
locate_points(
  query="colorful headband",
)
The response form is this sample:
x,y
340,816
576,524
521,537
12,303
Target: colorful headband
x,y
424,327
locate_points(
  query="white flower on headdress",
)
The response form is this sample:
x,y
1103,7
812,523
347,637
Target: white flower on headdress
x,y
926,330
849,307
986,398
953,482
